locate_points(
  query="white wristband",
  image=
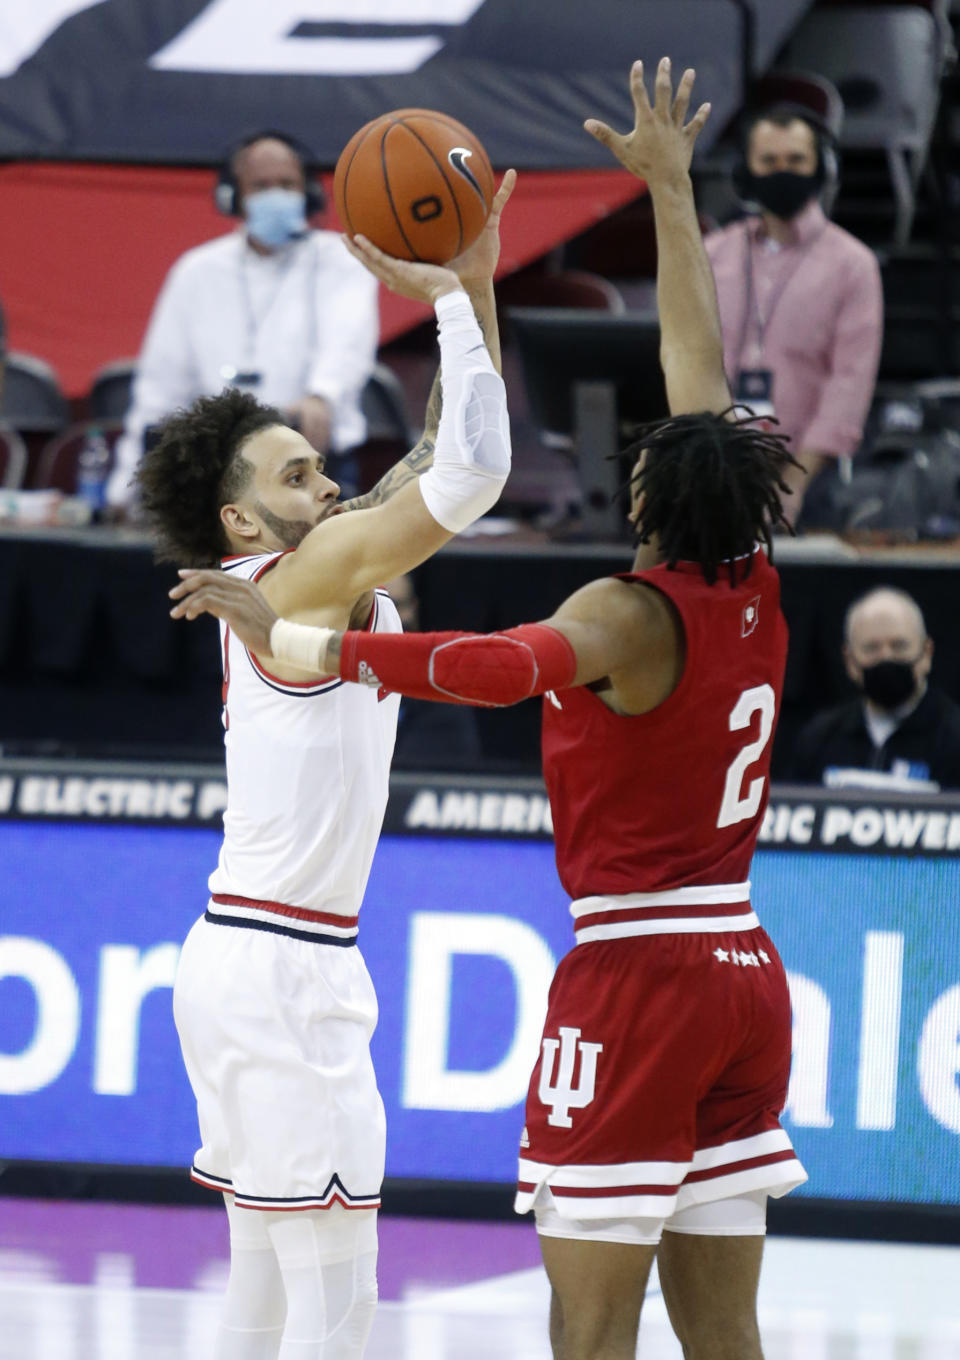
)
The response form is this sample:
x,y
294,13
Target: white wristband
x,y
454,306
300,645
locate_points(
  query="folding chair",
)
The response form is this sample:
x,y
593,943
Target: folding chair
x,y
57,465
13,458
109,395
886,61
33,400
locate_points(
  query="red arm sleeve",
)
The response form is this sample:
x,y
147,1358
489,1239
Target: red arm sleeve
x,y
490,670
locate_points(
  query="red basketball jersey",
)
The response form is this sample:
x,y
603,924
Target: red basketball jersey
x,y
675,797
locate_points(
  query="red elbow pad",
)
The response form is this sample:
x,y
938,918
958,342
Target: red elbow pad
x,y
489,670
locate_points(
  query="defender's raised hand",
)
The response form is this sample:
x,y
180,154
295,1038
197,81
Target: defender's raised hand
x,y
660,146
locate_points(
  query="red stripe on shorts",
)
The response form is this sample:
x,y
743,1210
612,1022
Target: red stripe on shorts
x,y
320,918
606,1191
732,1168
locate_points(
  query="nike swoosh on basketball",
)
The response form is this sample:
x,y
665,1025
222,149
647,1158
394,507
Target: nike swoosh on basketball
x,y
457,156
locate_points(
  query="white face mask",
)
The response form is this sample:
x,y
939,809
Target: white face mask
x,y
276,216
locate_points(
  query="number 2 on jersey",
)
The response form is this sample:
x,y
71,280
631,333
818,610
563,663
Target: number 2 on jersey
x,y
737,806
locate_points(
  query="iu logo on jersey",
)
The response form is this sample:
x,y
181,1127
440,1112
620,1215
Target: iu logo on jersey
x,y
561,1095
750,617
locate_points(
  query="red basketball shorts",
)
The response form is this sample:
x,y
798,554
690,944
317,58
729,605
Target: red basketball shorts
x,y
662,1072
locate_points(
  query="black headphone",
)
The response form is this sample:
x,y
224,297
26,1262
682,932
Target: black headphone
x,y
226,194
827,174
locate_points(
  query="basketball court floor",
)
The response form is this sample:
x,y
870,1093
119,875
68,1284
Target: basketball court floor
x,y
87,1281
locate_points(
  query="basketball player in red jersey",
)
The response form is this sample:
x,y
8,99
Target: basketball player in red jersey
x,y
652,1114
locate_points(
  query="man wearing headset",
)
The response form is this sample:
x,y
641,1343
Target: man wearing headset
x,y
275,308
800,299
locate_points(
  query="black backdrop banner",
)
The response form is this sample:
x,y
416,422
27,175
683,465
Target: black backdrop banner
x,y
179,81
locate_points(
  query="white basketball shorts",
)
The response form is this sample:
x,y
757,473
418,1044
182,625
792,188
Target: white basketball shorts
x,y
275,1034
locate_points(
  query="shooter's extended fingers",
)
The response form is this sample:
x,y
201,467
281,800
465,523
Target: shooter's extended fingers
x,y
502,196
383,266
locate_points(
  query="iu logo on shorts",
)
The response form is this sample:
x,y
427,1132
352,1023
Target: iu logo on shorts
x,y
561,1095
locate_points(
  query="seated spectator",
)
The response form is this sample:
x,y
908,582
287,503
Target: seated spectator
x,y
800,299
899,732
430,736
275,308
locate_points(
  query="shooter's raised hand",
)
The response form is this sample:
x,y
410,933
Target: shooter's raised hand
x,y
409,278
660,146
478,264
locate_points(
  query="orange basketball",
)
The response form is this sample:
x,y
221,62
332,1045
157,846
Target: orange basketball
x,y
416,183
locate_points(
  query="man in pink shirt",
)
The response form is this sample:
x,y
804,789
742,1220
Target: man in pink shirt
x,y
800,299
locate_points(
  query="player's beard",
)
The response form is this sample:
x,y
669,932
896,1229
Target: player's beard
x,y
290,532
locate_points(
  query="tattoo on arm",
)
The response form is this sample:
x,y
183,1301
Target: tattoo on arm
x,y
485,310
408,469
431,420
413,464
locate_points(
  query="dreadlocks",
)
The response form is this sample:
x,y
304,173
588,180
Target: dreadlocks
x,y
711,488
196,467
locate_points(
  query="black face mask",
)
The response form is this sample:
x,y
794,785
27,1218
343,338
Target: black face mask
x,y
782,193
889,683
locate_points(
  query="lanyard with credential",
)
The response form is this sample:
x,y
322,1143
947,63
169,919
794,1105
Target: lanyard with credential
x,y
752,307
289,265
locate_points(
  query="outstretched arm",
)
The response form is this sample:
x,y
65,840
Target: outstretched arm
x,y
659,150
458,480
489,670
600,631
475,269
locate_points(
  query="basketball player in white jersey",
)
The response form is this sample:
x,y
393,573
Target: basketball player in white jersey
x,y
273,1002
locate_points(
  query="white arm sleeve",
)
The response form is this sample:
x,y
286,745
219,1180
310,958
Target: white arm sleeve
x,y
471,461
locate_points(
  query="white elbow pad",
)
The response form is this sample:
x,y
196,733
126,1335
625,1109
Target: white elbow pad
x,y
466,480
472,457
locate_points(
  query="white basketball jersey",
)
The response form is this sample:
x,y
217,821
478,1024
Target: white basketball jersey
x,y
308,766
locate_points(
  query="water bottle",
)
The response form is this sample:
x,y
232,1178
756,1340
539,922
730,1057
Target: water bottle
x,y
93,468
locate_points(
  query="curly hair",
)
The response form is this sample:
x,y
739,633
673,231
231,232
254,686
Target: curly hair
x,y
194,468
711,487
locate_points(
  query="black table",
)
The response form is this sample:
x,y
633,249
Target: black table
x,y
92,664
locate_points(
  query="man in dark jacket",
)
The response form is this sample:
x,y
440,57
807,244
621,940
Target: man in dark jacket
x,y
898,726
